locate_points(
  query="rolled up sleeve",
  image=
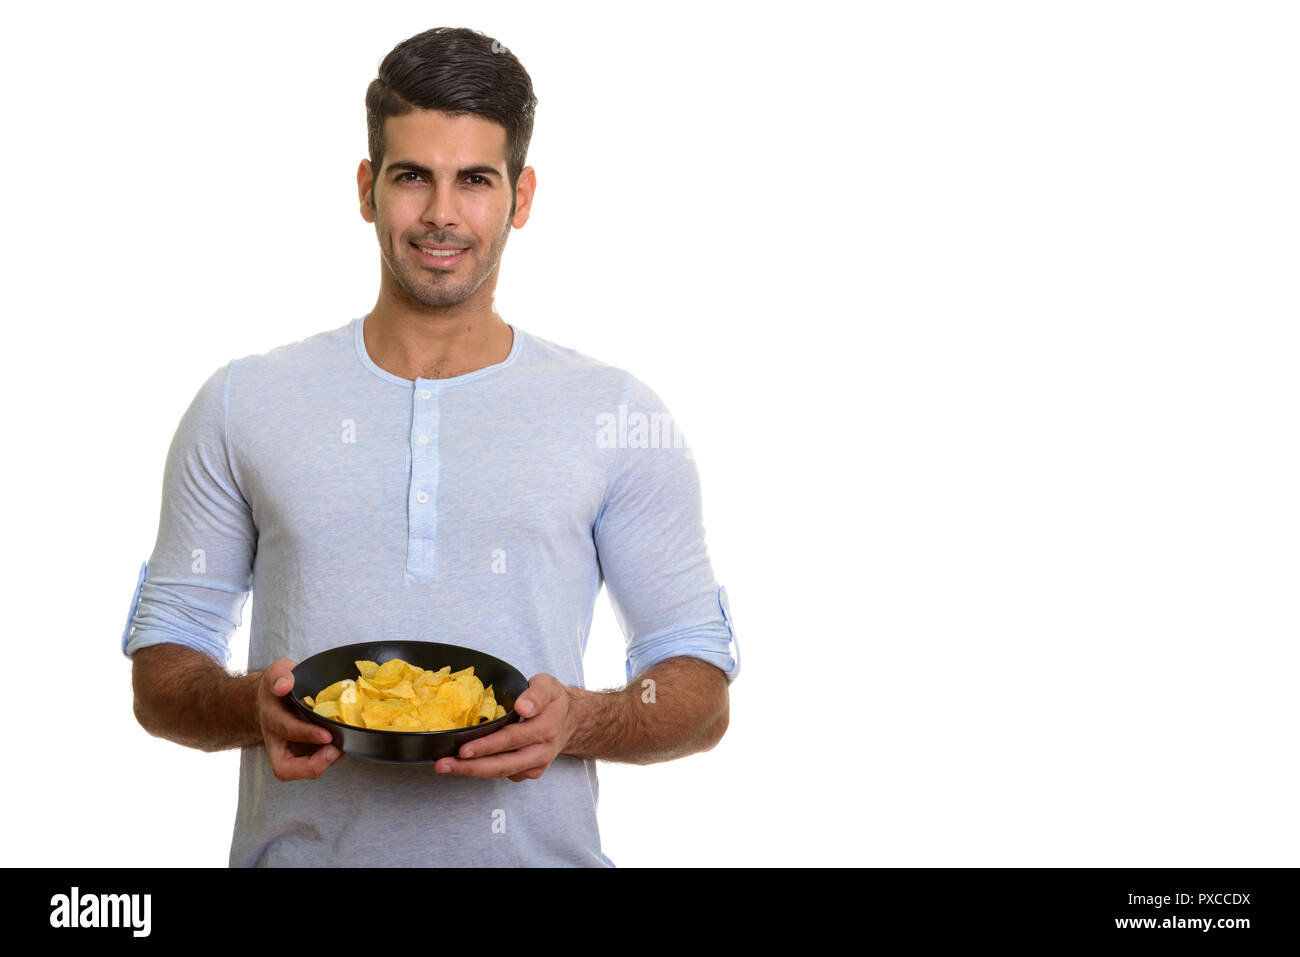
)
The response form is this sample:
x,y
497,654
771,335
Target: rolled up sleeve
x,y
650,541
193,588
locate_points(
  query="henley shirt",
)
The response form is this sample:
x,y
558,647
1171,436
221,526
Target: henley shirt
x,y
482,510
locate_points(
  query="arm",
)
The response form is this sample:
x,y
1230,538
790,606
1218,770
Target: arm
x,y
188,603
649,537
684,711
184,696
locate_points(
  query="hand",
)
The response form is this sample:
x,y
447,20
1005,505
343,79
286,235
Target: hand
x,y
288,737
525,749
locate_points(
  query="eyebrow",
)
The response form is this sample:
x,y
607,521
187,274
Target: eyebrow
x,y
428,173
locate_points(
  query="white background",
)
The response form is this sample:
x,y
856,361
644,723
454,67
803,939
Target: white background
x,y
979,317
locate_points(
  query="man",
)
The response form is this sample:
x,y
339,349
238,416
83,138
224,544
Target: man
x,y
428,471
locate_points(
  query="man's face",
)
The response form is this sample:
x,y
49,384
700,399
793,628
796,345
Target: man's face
x,y
443,184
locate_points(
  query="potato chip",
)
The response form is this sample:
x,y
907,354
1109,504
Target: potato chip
x,y
426,686
399,696
389,673
441,714
402,689
407,722
413,672
380,714
458,700
434,717
333,691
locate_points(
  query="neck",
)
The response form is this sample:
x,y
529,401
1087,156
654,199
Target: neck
x,y
414,346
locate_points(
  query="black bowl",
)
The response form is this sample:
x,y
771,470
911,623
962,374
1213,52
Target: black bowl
x,y
320,671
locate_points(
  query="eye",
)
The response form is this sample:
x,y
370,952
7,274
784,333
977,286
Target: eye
x,y
403,176
481,179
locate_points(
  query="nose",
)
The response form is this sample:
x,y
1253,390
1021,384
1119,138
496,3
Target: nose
x,y
442,210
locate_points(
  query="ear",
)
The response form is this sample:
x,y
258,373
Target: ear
x,y
366,191
524,196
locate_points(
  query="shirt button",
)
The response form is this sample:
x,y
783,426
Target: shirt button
x,y
425,393
422,498
424,440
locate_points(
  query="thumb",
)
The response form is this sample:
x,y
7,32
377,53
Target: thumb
x,y
279,676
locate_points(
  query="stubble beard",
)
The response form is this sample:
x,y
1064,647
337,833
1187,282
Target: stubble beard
x,y
429,287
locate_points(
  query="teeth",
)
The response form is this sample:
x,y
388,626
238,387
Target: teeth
x,y
441,253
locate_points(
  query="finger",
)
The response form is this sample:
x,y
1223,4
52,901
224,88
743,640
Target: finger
x,y
274,674
280,719
282,685
510,738
292,729
542,690
285,721
528,775
310,767
296,728
500,765
290,767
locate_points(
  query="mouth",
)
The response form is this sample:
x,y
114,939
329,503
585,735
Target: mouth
x,y
442,258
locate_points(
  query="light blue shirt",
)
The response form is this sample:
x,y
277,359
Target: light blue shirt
x,y
483,510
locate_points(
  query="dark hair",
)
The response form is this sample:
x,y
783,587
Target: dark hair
x,y
454,70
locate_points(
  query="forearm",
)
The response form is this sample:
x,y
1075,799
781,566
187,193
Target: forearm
x,y
684,711
186,697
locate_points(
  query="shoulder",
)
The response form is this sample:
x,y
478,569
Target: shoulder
x,y
570,369
312,356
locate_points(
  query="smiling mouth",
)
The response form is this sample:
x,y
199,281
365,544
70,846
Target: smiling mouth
x,y
440,257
